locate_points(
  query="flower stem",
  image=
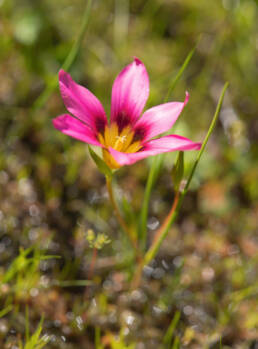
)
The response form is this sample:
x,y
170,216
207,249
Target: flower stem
x,y
158,238
92,264
137,276
163,230
91,271
166,221
152,177
119,217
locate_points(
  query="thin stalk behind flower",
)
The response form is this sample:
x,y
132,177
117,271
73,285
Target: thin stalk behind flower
x,y
93,262
119,217
169,220
152,177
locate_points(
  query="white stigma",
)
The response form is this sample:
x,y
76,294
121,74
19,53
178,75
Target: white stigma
x,y
121,139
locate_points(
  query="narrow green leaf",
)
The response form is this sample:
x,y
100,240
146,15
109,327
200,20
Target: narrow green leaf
x,y
176,343
98,344
240,295
6,310
76,47
180,72
35,342
211,128
178,170
27,324
167,340
18,263
102,166
53,82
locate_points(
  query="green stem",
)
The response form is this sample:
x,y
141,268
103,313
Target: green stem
x,y
162,232
167,220
119,217
93,262
159,237
154,170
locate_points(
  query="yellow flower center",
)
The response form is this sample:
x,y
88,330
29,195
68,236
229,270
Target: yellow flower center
x,y
122,141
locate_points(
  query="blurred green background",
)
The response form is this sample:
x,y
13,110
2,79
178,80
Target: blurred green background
x,y
51,192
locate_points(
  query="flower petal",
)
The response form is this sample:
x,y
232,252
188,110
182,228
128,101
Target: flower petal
x,y
80,102
129,94
154,147
159,119
76,129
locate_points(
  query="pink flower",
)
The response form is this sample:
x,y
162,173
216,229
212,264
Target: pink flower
x,y
127,138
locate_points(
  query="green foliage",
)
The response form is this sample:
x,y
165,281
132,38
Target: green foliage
x,y
6,310
102,166
39,167
174,80
34,341
176,343
23,273
52,82
208,134
167,339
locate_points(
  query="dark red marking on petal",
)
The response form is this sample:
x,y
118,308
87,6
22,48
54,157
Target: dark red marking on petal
x,y
122,120
100,124
139,134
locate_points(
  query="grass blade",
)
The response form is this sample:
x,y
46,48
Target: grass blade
x,y
167,340
180,72
176,343
6,310
211,128
27,324
53,83
97,338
